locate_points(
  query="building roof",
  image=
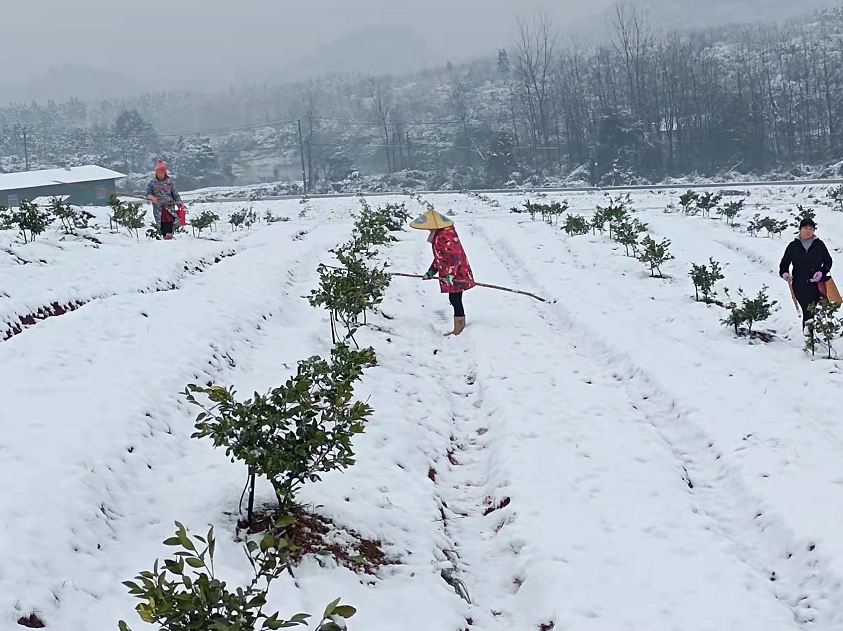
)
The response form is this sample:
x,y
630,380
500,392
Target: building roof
x,y
52,177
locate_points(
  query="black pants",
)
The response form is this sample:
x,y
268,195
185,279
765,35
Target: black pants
x,y
807,296
167,227
455,299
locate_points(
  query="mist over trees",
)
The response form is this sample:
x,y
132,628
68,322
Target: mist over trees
x,y
640,106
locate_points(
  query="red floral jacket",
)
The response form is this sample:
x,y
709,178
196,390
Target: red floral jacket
x,y
449,259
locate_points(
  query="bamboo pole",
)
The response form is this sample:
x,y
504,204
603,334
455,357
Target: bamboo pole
x,y
486,285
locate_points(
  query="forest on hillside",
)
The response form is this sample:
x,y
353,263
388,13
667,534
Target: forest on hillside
x,y
641,106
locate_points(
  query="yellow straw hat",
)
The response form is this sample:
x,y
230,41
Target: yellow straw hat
x,y
431,220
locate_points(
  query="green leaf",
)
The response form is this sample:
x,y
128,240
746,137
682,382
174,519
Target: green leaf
x,y
345,611
172,541
194,562
285,522
329,610
123,626
267,543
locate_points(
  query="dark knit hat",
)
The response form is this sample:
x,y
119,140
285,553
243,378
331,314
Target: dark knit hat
x,y
806,223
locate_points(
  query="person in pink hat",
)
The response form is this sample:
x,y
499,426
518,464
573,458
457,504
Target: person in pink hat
x,y
166,201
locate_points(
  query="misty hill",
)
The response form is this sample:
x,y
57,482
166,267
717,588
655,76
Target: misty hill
x,y
373,50
73,81
711,13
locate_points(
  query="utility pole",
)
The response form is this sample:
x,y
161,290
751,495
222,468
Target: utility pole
x,y
25,149
301,151
409,155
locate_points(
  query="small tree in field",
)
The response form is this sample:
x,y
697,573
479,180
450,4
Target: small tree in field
x,y
205,220
751,311
296,432
688,201
825,327
801,213
71,219
238,219
706,203
627,232
704,279
614,213
654,255
130,216
30,220
731,211
836,196
575,225
184,594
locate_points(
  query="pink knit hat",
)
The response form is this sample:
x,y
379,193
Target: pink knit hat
x,y
161,166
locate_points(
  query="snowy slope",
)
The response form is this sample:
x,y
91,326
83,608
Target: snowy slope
x,y
614,460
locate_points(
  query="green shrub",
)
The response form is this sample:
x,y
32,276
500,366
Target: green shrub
x,y
688,201
750,312
708,202
131,216
71,218
205,220
704,279
351,290
295,432
655,254
825,327
626,232
30,220
731,211
184,594
575,225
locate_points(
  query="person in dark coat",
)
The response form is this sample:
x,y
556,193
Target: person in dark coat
x,y
806,262
450,263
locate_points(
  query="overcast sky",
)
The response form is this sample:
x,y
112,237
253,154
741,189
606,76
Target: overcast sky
x,y
209,44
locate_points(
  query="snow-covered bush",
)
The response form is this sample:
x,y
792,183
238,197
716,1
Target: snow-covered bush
x,y
293,433
708,202
688,201
627,231
704,278
654,255
350,290
750,312
731,210
836,196
205,220
575,225
825,327
238,219
71,218
30,220
183,593
130,216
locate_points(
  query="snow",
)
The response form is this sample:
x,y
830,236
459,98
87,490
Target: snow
x,y
51,177
613,460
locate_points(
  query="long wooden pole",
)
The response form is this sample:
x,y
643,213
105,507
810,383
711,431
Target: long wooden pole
x,y
486,285
793,295
104,190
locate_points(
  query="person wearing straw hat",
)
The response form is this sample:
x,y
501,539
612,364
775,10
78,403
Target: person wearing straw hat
x,y
165,200
811,263
450,263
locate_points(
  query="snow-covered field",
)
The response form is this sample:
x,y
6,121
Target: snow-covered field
x,y
613,460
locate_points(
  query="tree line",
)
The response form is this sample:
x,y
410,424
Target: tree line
x,y
637,106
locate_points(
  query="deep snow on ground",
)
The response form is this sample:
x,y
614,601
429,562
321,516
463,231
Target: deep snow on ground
x,y
614,460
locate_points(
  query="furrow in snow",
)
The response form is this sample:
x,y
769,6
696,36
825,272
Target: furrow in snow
x,y
797,575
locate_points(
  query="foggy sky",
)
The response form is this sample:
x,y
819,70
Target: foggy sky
x,y
209,44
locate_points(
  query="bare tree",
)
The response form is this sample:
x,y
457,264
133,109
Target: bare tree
x,y
534,66
382,103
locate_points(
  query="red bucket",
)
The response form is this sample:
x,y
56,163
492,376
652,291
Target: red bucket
x,y
182,216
